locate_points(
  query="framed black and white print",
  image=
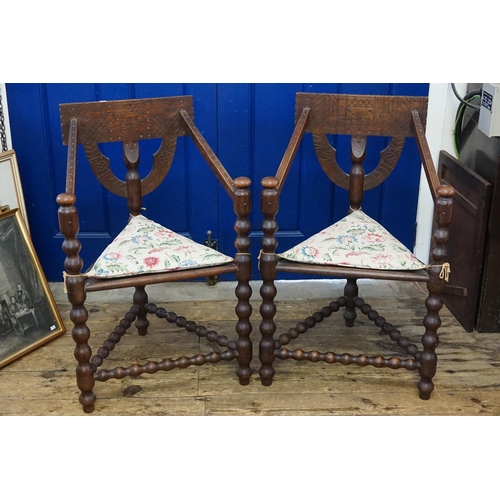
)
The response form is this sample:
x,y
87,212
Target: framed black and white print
x,y
29,316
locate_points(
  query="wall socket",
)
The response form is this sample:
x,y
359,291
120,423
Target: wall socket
x,y
489,113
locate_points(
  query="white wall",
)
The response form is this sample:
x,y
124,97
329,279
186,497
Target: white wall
x,y
439,132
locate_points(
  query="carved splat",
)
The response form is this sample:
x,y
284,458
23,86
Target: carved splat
x,y
162,161
125,121
326,155
388,159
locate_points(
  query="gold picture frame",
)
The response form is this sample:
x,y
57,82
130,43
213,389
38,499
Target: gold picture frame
x,y
11,191
29,316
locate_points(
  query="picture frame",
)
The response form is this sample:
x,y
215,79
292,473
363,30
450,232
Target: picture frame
x,y
29,316
11,192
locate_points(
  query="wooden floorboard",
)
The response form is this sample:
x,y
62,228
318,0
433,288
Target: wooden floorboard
x,y
467,380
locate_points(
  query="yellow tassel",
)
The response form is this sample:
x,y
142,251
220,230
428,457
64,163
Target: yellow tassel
x,y
445,272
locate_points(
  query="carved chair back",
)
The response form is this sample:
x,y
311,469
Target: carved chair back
x,y
127,121
358,116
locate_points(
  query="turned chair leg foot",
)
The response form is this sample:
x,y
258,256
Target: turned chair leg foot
x,y
244,375
266,375
87,403
424,389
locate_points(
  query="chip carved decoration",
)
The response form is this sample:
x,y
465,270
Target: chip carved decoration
x,y
143,118
341,114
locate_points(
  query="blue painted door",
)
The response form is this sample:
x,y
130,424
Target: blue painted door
x,y
247,125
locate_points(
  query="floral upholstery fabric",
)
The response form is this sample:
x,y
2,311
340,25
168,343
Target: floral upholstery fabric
x,y
355,241
147,247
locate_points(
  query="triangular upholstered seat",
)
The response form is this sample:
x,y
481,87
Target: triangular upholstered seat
x,y
145,246
355,241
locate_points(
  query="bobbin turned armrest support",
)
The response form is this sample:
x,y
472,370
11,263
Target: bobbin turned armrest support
x,y
269,205
443,208
69,226
242,203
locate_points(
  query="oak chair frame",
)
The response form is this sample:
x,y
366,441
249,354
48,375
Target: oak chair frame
x,y
129,121
358,116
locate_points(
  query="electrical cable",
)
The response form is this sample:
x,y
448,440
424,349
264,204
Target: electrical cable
x,y
457,131
463,101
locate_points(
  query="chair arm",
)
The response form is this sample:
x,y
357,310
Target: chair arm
x,y
72,154
292,148
208,154
437,189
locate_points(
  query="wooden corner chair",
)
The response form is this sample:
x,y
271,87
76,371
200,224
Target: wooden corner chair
x,y
129,121
325,253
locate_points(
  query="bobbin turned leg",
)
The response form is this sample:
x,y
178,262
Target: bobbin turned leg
x,y
430,339
75,285
268,262
81,334
243,260
243,311
435,285
141,300
350,292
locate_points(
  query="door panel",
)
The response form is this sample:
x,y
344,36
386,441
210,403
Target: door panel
x,y
471,209
247,125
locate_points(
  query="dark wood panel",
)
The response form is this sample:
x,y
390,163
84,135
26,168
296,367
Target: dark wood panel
x,y
467,236
142,118
488,319
363,115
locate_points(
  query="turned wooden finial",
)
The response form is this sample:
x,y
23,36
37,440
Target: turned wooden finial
x,y
242,182
66,199
445,191
269,182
